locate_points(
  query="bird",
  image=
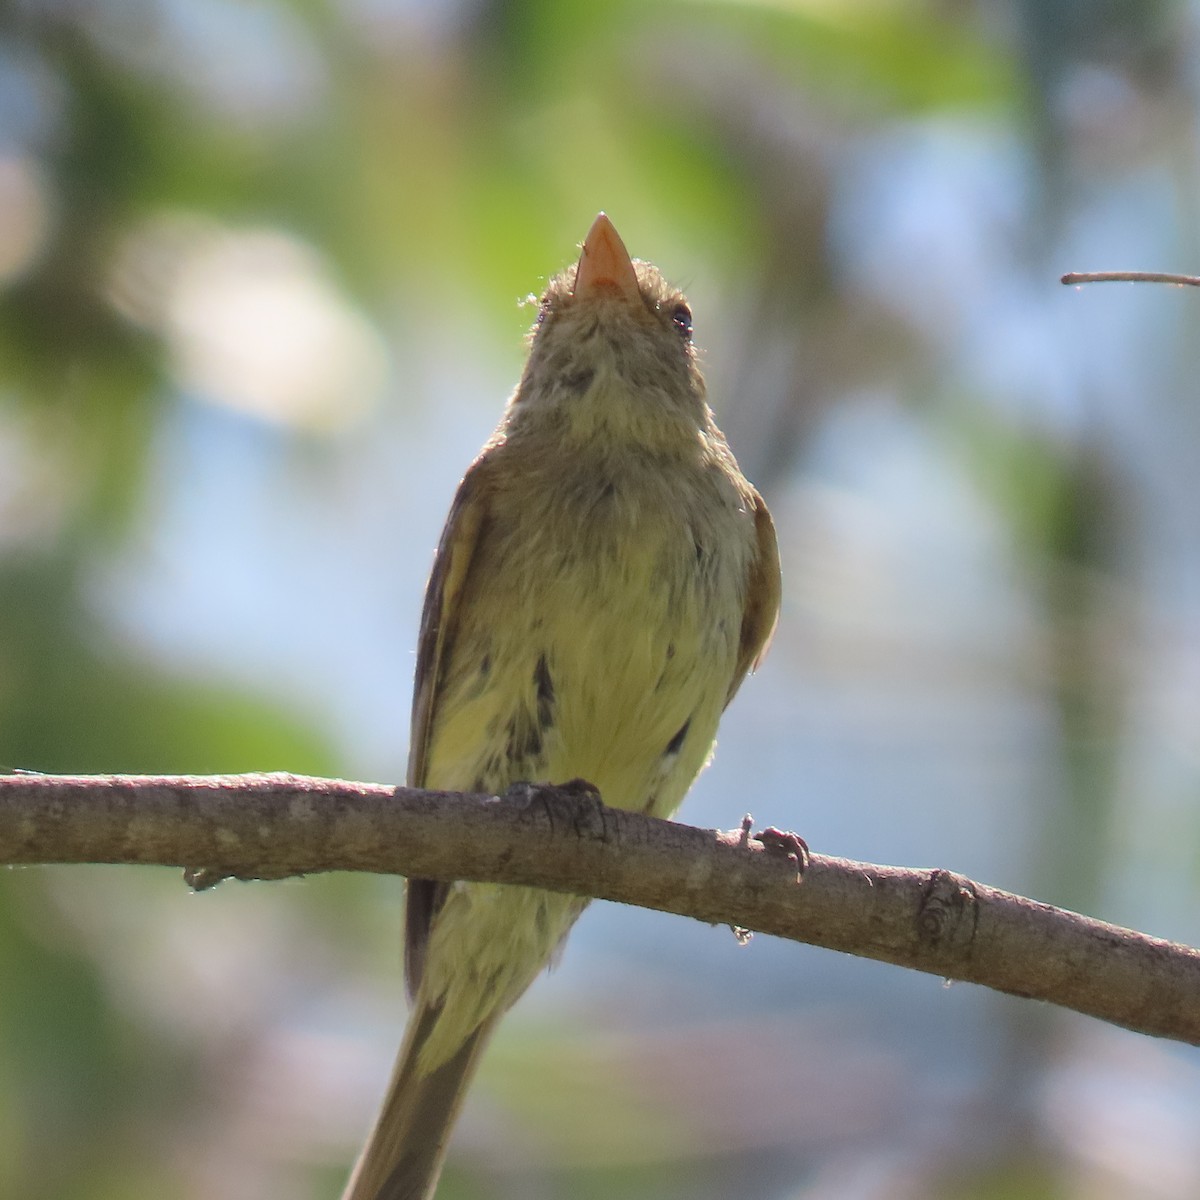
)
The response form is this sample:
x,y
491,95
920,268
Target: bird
x,y
605,580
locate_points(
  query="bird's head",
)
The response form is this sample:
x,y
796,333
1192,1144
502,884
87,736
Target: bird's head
x,y
611,350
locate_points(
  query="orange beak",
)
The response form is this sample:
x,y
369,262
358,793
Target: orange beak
x,y
604,264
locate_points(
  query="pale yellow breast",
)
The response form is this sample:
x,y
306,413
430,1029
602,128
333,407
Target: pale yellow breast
x,y
599,631
597,639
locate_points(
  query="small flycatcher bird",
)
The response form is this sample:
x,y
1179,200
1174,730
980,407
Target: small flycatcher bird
x,y
606,578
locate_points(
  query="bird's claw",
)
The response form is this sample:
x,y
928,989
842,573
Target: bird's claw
x,y
791,844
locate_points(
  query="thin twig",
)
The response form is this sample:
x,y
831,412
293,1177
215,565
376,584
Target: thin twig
x,y
1074,277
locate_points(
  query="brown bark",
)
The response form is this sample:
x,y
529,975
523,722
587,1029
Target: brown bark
x,y
564,839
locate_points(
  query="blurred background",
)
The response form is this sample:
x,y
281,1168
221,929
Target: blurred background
x,y
260,272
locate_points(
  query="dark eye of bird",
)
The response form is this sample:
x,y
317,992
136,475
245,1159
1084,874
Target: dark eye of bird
x,y
681,318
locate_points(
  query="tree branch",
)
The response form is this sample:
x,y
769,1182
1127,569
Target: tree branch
x,y
564,839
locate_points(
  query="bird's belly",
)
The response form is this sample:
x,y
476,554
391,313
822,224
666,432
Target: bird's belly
x,y
600,651
615,672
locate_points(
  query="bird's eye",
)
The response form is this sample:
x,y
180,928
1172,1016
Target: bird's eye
x,y
681,318
543,308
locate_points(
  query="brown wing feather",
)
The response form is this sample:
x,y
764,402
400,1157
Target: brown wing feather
x,y
763,592
447,582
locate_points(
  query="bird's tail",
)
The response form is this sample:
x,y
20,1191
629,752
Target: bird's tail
x,y
403,1156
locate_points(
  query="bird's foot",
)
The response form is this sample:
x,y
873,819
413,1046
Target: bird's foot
x,y
791,844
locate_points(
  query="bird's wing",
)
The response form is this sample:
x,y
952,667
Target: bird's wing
x,y
763,591
439,623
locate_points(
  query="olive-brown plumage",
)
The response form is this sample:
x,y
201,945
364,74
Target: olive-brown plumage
x,y
605,580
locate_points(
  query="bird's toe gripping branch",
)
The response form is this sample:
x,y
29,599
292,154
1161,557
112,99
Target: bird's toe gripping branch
x,y
790,844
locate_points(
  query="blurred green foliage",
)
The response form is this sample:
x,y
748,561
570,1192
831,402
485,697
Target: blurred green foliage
x,y
433,155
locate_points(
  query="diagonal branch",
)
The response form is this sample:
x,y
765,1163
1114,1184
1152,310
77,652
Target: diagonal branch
x,y
564,839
